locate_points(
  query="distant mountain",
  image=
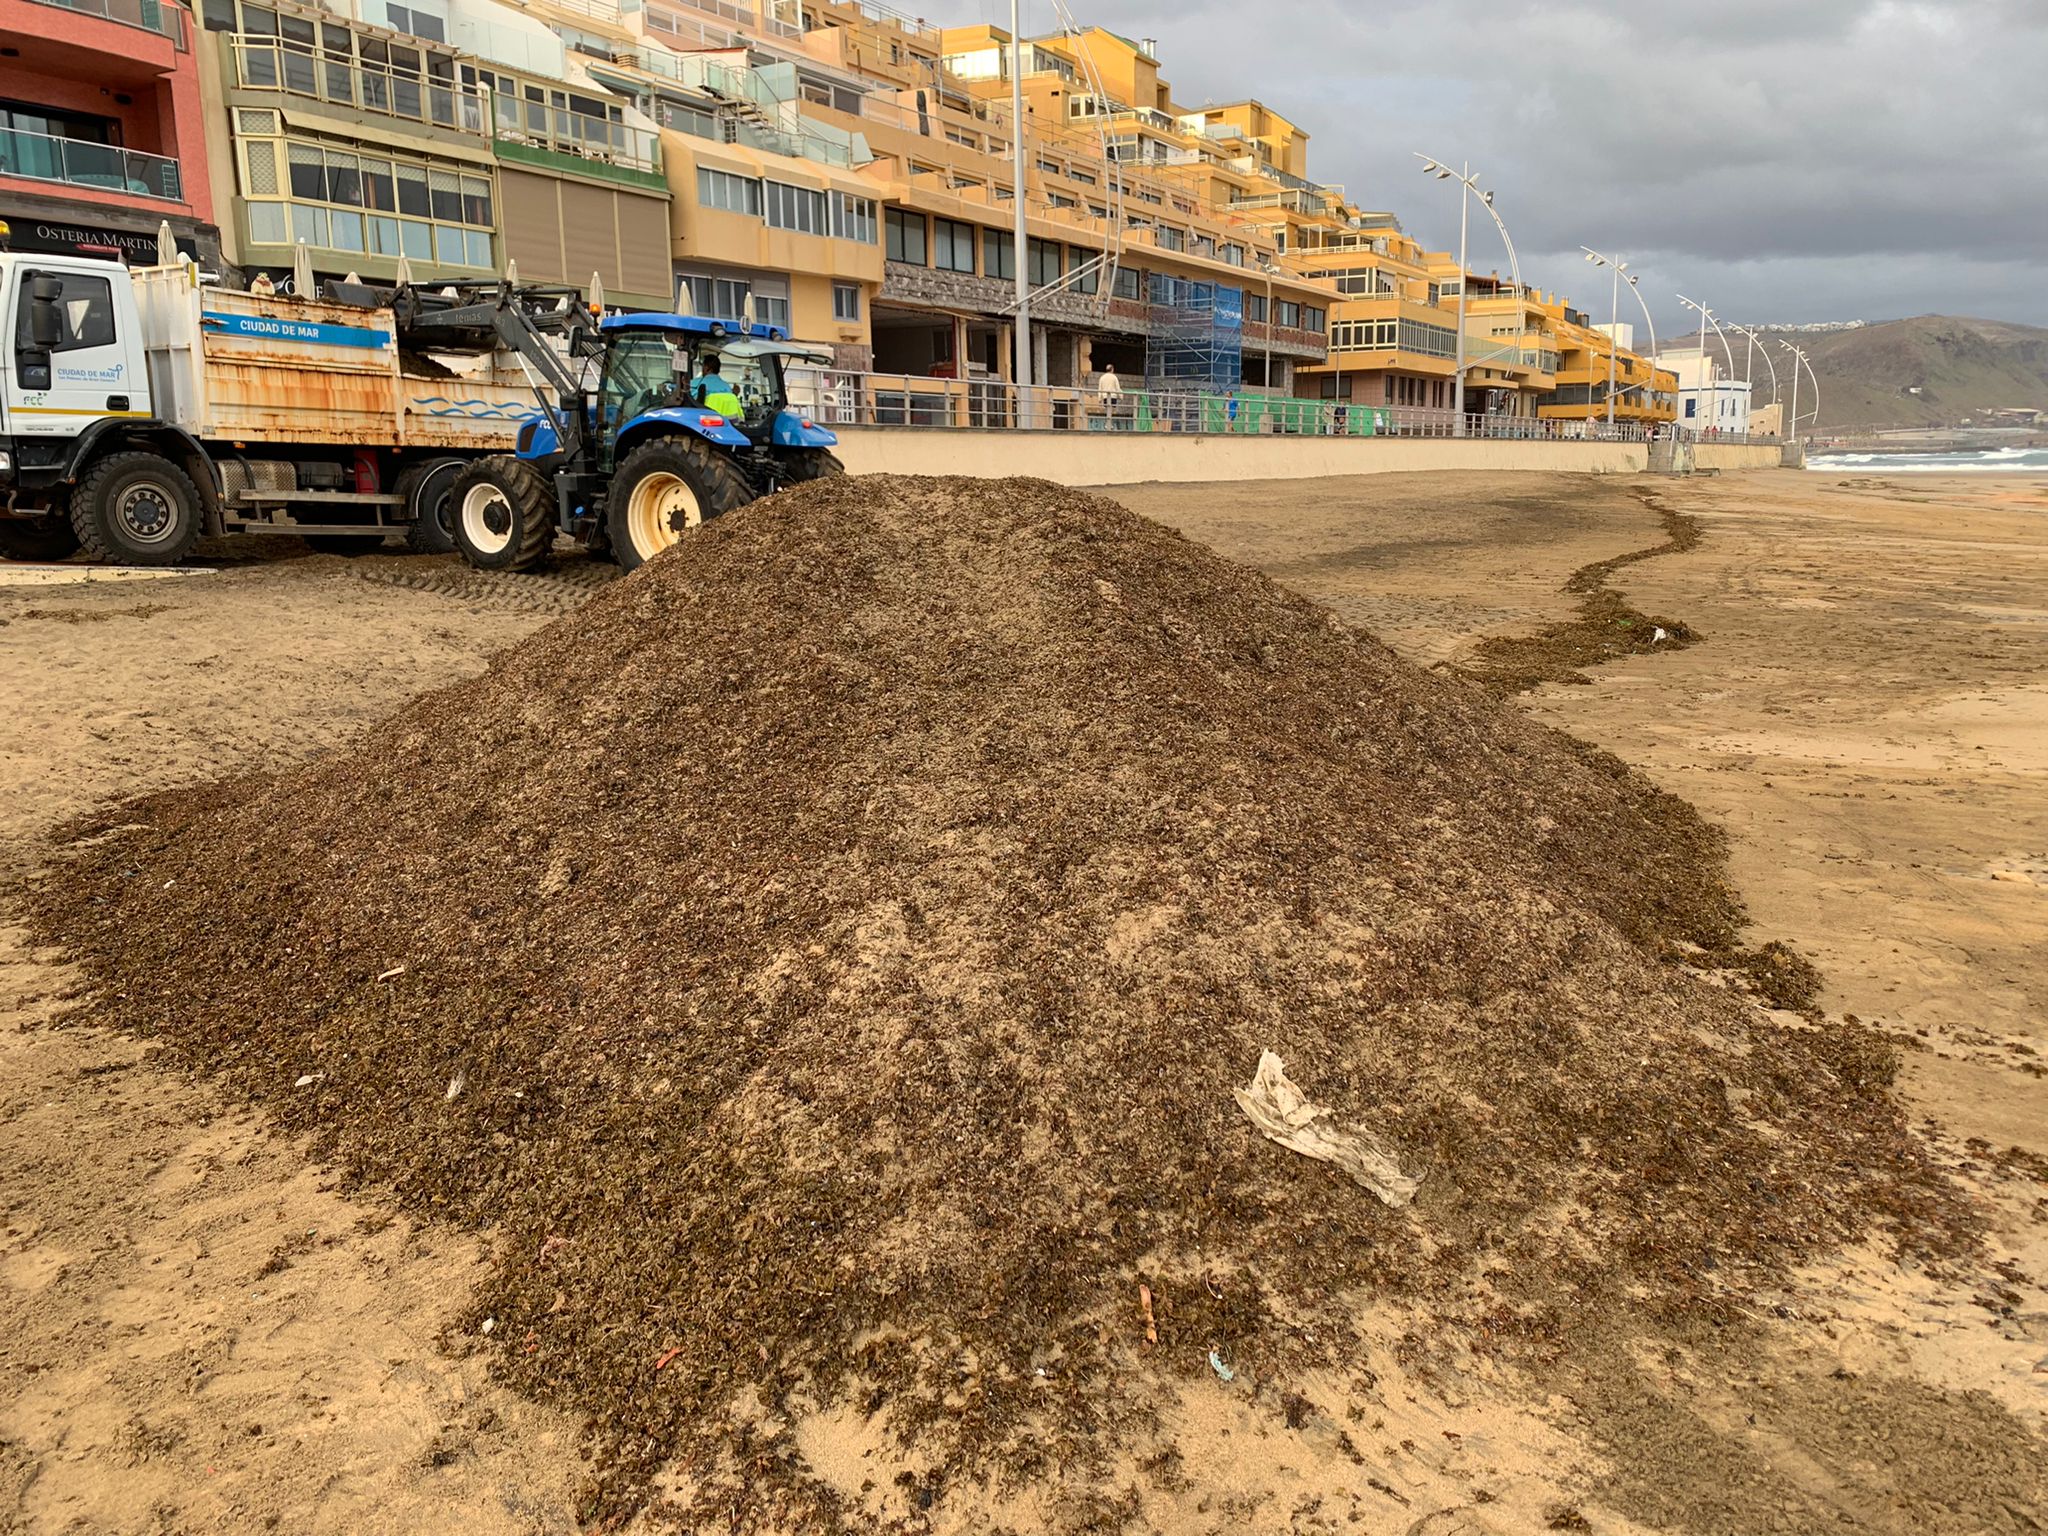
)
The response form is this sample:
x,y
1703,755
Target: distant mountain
x,y
1930,371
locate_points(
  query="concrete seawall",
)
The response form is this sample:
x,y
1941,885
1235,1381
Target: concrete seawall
x,y
1118,458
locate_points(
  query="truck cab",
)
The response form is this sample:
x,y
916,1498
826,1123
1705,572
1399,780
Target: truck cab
x,y
76,370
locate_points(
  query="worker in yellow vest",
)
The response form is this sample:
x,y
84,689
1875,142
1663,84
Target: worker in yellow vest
x,y
713,393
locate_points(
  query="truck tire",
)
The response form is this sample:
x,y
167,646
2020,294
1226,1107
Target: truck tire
x,y
37,538
665,487
804,464
502,514
136,508
425,488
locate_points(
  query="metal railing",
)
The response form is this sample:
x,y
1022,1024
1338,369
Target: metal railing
x,y
79,163
163,17
576,133
855,400
271,64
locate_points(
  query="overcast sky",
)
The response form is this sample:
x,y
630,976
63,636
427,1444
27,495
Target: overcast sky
x,y
1781,160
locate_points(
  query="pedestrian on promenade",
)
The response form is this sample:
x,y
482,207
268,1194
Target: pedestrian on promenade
x,y
1111,394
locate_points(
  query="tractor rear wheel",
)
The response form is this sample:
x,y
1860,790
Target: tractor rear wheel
x,y
811,464
502,513
665,487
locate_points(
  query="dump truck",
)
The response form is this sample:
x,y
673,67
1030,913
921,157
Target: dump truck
x,y
650,425
144,408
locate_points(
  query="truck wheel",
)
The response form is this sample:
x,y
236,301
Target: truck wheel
x,y
665,487
136,508
811,464
425,488
502,513
37,538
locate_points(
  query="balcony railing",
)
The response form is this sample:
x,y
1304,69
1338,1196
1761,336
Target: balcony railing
x,y
269,64
163,17
577,133
44,157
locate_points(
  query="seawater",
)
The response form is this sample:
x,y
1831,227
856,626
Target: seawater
x,y
1998,461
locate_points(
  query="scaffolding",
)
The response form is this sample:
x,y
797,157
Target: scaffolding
x,y
1197,341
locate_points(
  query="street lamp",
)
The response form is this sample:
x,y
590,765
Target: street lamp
x,y
1616,267
1021,235
1635,287
1468,181
1801,359
1756,341
1707,319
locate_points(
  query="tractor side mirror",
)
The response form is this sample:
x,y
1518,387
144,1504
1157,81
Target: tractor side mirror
x,y
45,319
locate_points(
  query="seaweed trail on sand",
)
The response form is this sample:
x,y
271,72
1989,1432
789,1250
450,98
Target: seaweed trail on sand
x,y
822,963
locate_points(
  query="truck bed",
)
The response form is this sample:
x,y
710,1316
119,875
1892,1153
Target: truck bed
x,y
239,367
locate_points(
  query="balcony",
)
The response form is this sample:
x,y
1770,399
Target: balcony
x,y
163,17
77,163
268,64
577,134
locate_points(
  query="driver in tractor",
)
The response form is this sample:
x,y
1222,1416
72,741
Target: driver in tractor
x,y
715,394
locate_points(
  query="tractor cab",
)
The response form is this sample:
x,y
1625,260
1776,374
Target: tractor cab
x,y
706,376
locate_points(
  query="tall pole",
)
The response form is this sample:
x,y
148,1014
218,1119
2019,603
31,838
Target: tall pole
x,y
1022,236
1613,339
1458,379
1816,389
1794,431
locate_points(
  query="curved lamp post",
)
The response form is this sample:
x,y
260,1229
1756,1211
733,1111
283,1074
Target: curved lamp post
x,y
1621,273
1707,319
1760,344
1468,181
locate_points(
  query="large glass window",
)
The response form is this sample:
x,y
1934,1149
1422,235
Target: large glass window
x,y
797,208
853,218
906,236
1045,263
1087,269
1129,283
369,205
999,254
733,194
952,245
86,307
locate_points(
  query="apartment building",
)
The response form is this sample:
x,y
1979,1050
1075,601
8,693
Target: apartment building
x,y
455,134
101,129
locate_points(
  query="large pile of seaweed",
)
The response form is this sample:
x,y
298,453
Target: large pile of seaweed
x,y
822,963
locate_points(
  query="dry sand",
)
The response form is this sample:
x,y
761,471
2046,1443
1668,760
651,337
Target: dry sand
x,y
196,1336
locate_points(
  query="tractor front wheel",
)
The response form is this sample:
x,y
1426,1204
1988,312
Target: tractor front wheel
x,y
502,513
664,488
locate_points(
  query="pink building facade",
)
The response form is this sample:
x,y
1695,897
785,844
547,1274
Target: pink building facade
x,y
101,133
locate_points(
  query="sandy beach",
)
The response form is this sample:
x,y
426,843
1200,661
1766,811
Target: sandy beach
x,y
199,1333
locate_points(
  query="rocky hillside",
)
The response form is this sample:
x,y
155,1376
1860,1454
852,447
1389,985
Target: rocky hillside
x,y
1929,371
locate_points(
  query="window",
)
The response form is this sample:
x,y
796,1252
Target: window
x,y
846,303
723,190
1087,269
906,237
769,310
998,254
952,246
965,140
417,22
1044,263
343,201
1255,308
1128,283
1691,406
797,208
1312,319
1290,314
1233,255
86,305
853,218
717,298
1050,168
1172,239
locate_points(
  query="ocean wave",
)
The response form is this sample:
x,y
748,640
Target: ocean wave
x,y
1988,461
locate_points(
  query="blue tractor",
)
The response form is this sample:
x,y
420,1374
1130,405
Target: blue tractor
x,y
650,424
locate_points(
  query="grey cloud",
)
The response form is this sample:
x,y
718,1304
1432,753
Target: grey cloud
x,y
1829,160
